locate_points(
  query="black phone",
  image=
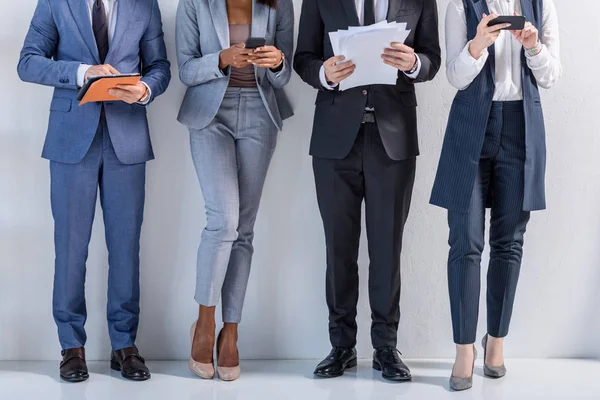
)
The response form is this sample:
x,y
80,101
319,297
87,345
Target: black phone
x,y
255,42
517,22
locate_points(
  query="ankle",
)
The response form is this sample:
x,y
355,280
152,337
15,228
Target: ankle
x,y
230,330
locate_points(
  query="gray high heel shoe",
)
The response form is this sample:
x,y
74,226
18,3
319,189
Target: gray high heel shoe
x,y
492,372
458,384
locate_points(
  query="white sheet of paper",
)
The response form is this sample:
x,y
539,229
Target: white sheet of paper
x,y
365,51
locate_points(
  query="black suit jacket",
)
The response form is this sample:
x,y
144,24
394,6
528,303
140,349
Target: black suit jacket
x,y
338,115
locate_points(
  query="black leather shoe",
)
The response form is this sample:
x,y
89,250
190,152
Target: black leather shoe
x,y
339,360
387,360
73,367
130,363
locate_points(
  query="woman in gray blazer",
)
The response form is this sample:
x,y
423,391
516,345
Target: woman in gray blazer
x,y
234,107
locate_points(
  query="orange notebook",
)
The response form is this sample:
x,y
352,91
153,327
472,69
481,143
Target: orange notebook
x,y
96,88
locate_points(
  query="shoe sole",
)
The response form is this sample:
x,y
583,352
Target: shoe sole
x,y
75,380
116,367
377,367
351,364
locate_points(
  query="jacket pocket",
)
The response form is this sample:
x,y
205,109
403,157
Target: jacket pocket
x,y
60,104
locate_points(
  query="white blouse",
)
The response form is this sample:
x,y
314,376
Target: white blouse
x,y
462,68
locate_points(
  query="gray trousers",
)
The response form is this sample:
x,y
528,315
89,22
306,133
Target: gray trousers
x,y
231,156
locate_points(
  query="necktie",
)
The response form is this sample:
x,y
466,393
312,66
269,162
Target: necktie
x,y
100,26
369,15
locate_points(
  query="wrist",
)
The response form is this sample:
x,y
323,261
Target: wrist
x,y
279,65
222,63
475,50
146,96
414,67
535,50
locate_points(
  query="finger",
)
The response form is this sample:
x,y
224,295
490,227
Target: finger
x,y
495,28
112,70
402,47
343,67
340,77
400,56
350,67
334,60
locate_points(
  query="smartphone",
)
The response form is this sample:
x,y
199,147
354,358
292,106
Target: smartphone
x,y
517,22
255,42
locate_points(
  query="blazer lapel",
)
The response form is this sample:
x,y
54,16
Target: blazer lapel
x,y
125,10
81,14
480,7
218,11
351,13
260,19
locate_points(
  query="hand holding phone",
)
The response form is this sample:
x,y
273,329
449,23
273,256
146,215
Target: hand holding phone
x,y
486,35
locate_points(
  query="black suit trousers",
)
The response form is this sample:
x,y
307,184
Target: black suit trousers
x,y
386,186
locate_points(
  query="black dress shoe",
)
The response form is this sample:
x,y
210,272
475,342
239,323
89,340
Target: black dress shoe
x,y
130,363
387,360
73,367
339,360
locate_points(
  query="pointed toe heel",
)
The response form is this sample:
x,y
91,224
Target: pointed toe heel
x,y
489,371
459,384
203,370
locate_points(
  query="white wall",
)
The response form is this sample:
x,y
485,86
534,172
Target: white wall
x,y
285,316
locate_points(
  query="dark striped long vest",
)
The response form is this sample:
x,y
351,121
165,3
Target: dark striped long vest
x,y
468,121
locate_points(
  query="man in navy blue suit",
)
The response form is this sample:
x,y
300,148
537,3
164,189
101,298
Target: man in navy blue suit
x,y
101,146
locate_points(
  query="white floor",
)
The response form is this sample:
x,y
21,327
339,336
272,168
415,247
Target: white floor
x,y
293,380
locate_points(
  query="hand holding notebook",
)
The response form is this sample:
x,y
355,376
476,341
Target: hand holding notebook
x,y
99,88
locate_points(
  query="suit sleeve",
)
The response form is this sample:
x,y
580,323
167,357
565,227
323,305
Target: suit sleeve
x,y
36,64
309,51
156,69
195,68
284,41
427,43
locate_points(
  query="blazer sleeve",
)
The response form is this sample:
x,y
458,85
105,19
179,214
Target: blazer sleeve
x,y
36,64
284,41
309,51
156,68
195,68
427,43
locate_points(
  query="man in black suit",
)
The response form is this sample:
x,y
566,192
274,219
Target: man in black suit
x,y
364,146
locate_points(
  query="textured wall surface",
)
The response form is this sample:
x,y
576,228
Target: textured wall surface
x,y
285,316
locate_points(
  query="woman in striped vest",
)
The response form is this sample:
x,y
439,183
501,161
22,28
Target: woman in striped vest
x,y
494,156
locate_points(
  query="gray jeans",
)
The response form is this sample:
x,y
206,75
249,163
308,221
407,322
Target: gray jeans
x,y
231,156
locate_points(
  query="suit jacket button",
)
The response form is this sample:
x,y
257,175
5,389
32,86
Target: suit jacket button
x,y
364,92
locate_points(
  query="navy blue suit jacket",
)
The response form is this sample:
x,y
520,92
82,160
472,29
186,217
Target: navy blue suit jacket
x,y
60,39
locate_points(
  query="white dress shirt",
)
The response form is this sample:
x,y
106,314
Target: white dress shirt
x,y
381,11
462,68
110,8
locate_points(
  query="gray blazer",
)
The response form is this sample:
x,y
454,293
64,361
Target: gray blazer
x,y
203,32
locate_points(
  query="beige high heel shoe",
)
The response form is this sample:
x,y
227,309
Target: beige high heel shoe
x,y
203,370
226,373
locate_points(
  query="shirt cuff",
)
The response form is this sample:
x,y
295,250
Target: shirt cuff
x,y
81,71
149,95
469,60
415,74
323,80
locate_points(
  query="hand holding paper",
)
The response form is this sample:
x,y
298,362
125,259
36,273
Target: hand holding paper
x,y
400,56
336,69
364,46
